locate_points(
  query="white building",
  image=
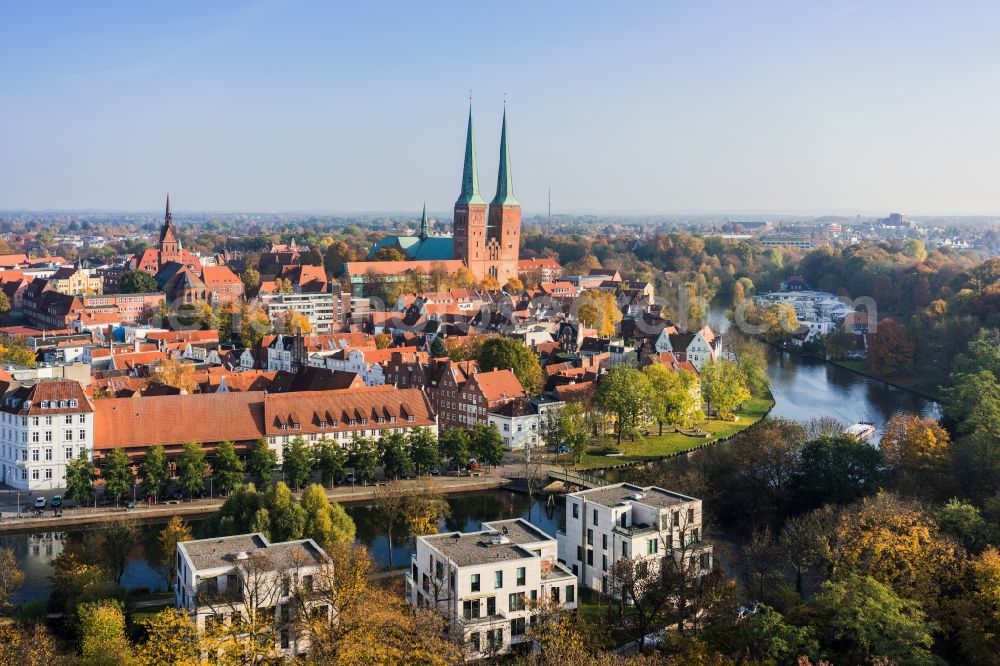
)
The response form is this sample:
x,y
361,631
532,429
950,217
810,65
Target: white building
x,y
700,347
231,577
486,583
322,310
351,359
606,524
519,424
43,426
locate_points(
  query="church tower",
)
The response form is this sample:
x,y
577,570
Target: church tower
x,y
170,246
504,227
470,212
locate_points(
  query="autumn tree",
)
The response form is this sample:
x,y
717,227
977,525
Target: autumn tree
x,y
171,638
326,522
103,641
598,309
291,322
676,396
251,281
11,578
383,340
724,387
253,324
918,450
80,479
175,372
175,532
29,646
978,610
890,351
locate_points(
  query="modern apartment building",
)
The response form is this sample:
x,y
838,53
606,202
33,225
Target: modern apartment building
x,y
43,426
489,583
606,524
247,578
323,310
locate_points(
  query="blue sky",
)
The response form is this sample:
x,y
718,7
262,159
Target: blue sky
x,y
632,107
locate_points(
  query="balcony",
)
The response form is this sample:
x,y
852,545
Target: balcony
x,y
635,530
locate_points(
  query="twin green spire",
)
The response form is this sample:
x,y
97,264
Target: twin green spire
x,y
470,173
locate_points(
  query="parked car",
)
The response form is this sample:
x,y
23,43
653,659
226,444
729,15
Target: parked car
x,y
434,471
473,465
56,501
562,449
39,502
350,478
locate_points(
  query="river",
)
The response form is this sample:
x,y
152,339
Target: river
x,y
803,389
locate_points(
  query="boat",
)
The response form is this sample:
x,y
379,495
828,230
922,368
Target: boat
x,y
861,431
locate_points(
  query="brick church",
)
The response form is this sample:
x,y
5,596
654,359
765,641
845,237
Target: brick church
x,y
486,237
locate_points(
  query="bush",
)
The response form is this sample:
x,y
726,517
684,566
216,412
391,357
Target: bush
x,y
32,612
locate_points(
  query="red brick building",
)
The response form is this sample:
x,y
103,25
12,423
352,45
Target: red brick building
x,y
462,395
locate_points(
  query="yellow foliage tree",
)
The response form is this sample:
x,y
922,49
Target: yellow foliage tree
x,y
598,309
293,321
175,372
174,533
920,451
463,279
171,638
102,634
27,647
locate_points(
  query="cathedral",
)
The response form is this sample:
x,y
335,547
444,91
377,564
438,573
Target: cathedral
x,y
486,237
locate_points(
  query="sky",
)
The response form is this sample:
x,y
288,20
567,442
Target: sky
x,y
640,107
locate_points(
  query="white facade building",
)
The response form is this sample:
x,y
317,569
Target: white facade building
x,y
349,360
606,524
518,423
322,310
700,348
43,426
224,578
487,582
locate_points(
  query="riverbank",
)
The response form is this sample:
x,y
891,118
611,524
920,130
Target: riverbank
x,y
445,485
667,445
914,383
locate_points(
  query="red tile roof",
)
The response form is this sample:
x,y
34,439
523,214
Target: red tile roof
x,y
399,267
498,384
310,410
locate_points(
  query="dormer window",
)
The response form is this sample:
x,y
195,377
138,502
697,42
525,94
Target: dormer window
x,y
364,421
73,403
62,404
392,419
409,418
295,426
381,420
322,424
353,422
284,426
333,424
44,404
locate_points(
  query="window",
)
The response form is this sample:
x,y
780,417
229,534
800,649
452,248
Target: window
x,y
579,553
83,418
590,557
515,601
676,516
555,594
604,562
498,579
475,582
48,454
494,639
652,546
307,583
570,594
69,435
491,606
604,541
83,435
69,419
595,517
286,586
590,537
624,549
34,455
470,609
474,645
576,510
517,627
690,515
69,452
34,437
534,595
521,575
34,474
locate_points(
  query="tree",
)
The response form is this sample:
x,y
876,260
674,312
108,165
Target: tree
x,y
103,641
253,325
325,522
111,545
227,468
890,352
191,468
137,282
918,450
155,472
500,353
837,470
11,578
676,396
330,459
598,309
172,534
116,474
803,544
424,450
16,352
422,511
438,348
486,444
337,254
4,306
766,635
364,456
288,518
778,321
394,453
963,521
263,459
752,359
625,393
573,429
171,638
297,464
973,401
383,340
978,615
389,254
251,281
514,285
175,372
80,479
454,446
862,619
724,387
291,322
32,646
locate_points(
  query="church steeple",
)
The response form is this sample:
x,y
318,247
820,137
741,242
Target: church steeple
x,y
424,226
169,242
505,181
470,172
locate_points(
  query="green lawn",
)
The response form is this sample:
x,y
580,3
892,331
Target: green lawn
x,y
657,446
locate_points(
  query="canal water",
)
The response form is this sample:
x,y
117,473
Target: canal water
x,y
803,389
